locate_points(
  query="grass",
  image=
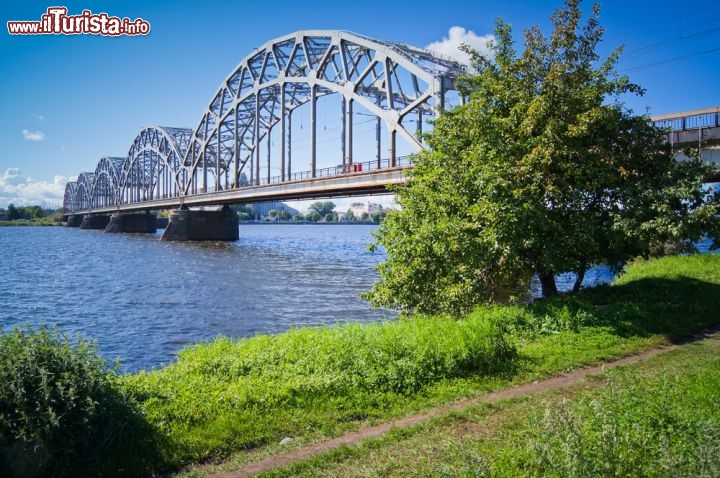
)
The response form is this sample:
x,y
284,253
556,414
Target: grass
x,y
229,395
658,418
54,219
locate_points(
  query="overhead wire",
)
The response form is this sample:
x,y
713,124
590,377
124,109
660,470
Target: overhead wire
x,y
648,49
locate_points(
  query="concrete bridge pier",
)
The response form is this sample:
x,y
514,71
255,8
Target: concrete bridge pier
x,y
74,220
187,225
138,223
95,221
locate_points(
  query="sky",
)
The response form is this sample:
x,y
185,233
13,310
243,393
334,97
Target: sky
x,y
68,100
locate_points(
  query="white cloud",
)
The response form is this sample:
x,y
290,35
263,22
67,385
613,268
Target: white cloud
x,y
40,117
26,191
33,135
458,36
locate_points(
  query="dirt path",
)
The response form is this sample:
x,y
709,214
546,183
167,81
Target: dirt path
x,y
351,438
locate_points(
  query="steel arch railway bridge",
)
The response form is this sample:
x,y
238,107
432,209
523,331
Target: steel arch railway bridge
x,y
242,149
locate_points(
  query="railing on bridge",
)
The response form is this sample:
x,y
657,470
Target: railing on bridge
x,y
697,129
708,118
353,168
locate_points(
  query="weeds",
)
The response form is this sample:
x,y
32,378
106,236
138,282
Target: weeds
x,y
263,388
62,413
662,427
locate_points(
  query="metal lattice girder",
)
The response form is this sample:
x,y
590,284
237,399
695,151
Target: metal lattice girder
x,y
153,167
107,181
69,199
83,193
391,80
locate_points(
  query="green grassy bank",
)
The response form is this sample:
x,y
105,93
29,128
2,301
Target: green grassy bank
x,y
239,399
655,418
54,219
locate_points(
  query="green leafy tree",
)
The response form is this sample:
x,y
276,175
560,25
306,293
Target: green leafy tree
x,y
350,216
283,215
244,212
312,216
542,171
322,208
32,212
377,216
272,213
12,212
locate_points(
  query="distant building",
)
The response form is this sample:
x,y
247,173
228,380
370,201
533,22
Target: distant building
x,y
262,209
360,208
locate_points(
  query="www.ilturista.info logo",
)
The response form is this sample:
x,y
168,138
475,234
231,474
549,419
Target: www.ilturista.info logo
x,y
57,22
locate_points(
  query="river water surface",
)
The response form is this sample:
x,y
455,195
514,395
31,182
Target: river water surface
x,y
143,299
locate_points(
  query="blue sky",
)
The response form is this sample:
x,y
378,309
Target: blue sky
x,y
69,100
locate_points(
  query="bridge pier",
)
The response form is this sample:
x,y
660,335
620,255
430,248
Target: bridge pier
x,y
95,221
74,220
187,225
140,223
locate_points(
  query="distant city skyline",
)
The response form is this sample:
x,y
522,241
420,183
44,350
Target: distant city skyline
x,y
69,100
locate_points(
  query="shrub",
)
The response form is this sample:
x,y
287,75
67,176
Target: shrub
x,y
61,412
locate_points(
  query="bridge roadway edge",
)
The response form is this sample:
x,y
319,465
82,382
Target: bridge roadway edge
x,y
372,182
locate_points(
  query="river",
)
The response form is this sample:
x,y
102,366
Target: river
x,y
143,299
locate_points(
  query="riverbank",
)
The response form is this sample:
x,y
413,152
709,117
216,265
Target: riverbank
x,y
240,401
652,414
30,222
311,384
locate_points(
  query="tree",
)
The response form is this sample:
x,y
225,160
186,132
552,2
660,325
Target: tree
x,y
350,216
272,213
377,216
12,212
542,171
244,212
322,208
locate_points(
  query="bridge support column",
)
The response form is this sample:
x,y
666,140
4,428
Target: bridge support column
x,y
142,223
74,220
187,225
95,221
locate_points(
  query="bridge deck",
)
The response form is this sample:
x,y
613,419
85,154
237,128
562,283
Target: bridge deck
x,y
351,184
691,127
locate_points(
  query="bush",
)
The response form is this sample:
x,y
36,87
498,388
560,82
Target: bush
x,y
61,412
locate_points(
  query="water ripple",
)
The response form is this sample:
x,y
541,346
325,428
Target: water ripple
x,y
143,300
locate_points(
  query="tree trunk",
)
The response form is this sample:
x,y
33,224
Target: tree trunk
x,y
579,279
547,281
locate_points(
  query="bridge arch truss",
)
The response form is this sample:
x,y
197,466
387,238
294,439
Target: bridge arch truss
x,y
396,83
400,86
